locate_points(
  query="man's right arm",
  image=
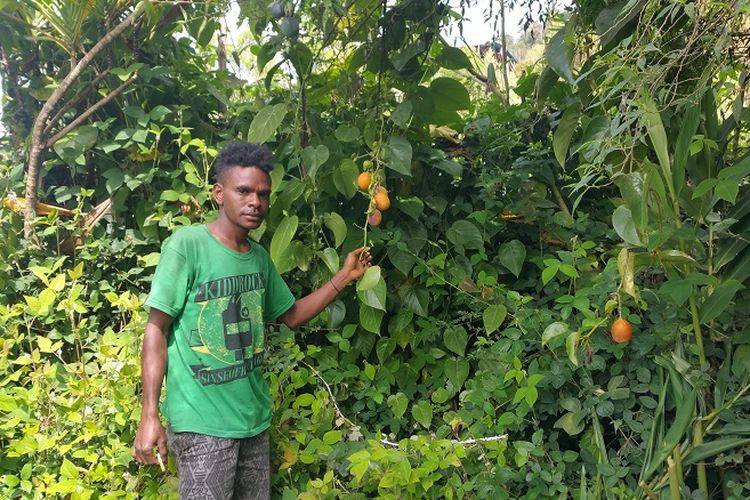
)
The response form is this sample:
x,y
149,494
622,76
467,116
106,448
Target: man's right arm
x,y
153,364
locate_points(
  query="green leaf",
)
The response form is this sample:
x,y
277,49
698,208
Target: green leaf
x,y
682,148
415,298
336,224
564,132
413,206
719,300
68,470
370,318
556,329
265,123
680,425
76,142
422,413
453,58
265,54
65,486
407,54
7,403
655,127
402,114
449,94
632,190
727,190
399,152
704,187
465,234
544,85
374,297
369,279
512,255
450,167
347,133
550,272
571,404
114,179
58,283
457,371
398,403
314,157
572,422
46,299
622,220
282,238
344,178
559,54
712,448
493,317
676,290
331,259
571,347
402,260
332,437
455,339
384,348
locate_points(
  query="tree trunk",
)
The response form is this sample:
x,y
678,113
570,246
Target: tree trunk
x,y
506,85
221,55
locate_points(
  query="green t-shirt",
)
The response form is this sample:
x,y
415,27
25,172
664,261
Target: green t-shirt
x,y
219,300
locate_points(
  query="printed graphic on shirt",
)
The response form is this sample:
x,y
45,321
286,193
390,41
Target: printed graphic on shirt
x,y
229,336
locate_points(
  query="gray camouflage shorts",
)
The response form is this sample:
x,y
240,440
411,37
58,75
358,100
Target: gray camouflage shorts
x,y
221,469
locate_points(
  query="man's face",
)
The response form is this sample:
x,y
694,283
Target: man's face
x,y
244,194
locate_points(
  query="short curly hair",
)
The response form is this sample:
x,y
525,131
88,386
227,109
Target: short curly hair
x,y
243,154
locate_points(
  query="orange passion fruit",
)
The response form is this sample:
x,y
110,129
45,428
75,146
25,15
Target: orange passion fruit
x,y
375,218
382,201
621,331
364,180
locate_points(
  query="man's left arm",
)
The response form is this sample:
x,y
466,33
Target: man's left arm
x,y
306,308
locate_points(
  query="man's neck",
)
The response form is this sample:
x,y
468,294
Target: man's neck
x,y
229,235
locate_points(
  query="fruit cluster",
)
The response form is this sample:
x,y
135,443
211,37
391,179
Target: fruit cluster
x,y
288,25
379,199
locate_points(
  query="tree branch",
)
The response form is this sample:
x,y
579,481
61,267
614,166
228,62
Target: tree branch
x,y
72,102
38,141
93,109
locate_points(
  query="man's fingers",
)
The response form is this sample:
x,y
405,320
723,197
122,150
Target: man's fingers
x,y
146,456
363,253
162,445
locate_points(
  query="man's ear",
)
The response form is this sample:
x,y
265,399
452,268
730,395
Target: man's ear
x,y
218,192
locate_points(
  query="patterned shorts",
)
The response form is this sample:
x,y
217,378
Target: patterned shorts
x,y
219,468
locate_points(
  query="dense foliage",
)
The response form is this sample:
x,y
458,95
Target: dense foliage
x,y
475,359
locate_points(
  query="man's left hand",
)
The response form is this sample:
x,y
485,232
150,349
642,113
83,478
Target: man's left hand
x,y
356,263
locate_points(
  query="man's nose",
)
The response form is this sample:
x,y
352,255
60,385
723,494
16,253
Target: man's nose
x,y
253,199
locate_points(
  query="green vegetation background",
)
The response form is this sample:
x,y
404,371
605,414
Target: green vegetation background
x,y
475,359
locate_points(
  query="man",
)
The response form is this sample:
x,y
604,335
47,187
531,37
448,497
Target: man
x,y
212,292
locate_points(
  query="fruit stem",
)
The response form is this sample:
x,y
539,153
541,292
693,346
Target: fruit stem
x,y
366,226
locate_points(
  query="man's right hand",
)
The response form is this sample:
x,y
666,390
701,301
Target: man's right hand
x,y
150,434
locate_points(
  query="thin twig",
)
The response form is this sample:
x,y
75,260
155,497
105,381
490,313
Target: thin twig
x,y
467,442
339,414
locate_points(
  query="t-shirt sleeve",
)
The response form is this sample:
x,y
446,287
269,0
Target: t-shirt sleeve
x,y
170,285
278,296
